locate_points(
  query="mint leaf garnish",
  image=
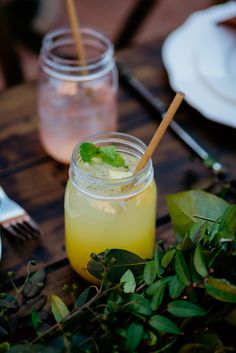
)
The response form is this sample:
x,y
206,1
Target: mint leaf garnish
x,y
88,151
108,154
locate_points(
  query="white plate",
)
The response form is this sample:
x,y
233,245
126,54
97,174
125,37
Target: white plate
x,y
200,58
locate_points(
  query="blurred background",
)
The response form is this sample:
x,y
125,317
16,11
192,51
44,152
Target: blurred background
x,y
127,22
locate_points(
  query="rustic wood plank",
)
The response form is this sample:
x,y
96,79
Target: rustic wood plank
x,y
19,141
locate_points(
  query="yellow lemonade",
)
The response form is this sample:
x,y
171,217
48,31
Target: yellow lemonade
x,y
104,212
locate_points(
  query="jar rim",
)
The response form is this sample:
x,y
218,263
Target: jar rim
x,y
112,137
58,66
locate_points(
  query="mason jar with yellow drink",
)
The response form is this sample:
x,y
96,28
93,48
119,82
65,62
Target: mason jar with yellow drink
x,y
107,206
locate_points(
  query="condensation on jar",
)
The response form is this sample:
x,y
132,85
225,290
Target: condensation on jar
x,y
75,100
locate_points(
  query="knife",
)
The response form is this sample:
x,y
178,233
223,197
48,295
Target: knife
x,y
128,80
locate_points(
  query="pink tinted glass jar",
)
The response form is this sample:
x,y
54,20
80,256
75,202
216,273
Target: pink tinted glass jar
x,y
75,101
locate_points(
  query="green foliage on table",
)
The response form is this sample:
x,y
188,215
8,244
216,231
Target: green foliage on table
x,y
181,301
190,207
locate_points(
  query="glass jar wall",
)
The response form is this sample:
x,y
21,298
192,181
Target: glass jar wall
x,y
106,213
75,101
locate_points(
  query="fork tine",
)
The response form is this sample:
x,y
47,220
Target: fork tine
x,y
32,226
10,229
15,219
32,231
22,229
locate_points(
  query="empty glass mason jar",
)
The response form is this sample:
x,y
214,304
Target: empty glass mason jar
x,y
73,100
106,212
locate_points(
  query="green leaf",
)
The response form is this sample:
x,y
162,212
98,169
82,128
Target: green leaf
x,y
184,308
231,317
35,319
164,325
88,151
154,288
32,348
228,219
152,338
109,151
139,305
227,227
167,258
159,250
134,336
36,303
112,307
150,272
175,287
59,309
185,244
194,348
199,261
225,349
128,281
84,296
221,289
209,338
96,267
4,346
198,231
158,296
108,154
35,284
119,261
195,277
185,206
181,269
8,301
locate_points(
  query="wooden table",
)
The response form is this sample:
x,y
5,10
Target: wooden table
x,y
38,182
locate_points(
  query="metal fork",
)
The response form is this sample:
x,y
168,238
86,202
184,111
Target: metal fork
x,y
15,220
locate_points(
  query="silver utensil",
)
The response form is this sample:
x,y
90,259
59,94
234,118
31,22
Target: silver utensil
x,y
127,78
15,220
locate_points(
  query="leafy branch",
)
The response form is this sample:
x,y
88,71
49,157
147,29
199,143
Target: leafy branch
x,y
183,300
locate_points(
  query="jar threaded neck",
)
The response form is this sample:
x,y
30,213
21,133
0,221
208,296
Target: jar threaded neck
x,y
111,188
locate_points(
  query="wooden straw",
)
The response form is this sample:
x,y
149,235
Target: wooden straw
x,y
160,131
74,23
